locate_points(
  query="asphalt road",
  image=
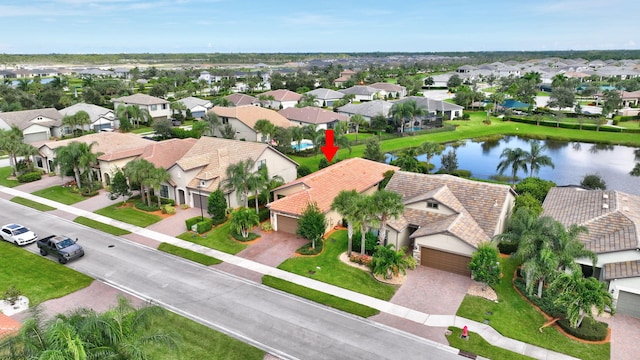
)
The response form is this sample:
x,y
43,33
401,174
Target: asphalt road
x,y
274,321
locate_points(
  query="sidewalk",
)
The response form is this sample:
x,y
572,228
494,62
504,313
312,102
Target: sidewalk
x,y
431,320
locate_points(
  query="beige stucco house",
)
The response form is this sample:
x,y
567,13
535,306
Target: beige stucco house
x,y
243,119
36,125
158,108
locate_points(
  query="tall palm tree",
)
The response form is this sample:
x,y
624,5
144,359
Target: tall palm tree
x,y
406,112
579,295
11,143
87,160
357,120
213,122
139,171
297,135
387,205
514,158
364,216
536,159
238,179
158,176
265,127
257,182
68,159
568,247
430,149
345,203
71,121
82,119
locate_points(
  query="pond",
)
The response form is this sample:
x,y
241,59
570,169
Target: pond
x,y
572,160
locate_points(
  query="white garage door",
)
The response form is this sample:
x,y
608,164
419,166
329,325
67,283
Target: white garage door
x,y
40,136
628,304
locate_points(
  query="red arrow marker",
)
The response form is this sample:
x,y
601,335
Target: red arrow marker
x,y
329,150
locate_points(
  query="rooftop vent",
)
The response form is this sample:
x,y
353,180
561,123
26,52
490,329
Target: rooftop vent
x,y
605,206
605,196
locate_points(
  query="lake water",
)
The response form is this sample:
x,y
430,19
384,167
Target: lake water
x,y
572,160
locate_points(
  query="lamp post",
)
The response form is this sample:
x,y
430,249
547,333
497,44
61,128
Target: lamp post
x,y
200,201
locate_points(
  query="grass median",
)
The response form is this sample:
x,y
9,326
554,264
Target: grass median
x,y
60,194
189,254
5,172
110,229
129,215
32,204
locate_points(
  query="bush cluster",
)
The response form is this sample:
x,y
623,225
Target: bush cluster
x,y
168,209
251,236
589,329
204,226
29,177
191,221
144,207
507,247
307,250
263,214
361,259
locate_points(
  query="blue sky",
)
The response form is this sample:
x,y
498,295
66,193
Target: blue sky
x,y
177,26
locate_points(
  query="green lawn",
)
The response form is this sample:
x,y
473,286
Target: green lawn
x,y
219,238
129,214
26,272
474,128
515,318
32,204
319,297
142,129
188,254
60,194
199,342
5,172
101,226
479,346
328,268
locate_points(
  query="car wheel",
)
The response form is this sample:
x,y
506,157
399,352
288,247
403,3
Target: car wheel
x,y
62,260
43,252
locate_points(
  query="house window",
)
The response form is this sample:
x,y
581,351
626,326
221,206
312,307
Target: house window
x,y
67,130
164,106
432,205
164,191
154,107
261,164
39,162
225,120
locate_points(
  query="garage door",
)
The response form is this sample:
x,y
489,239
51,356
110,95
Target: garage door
x,y
457,264
628,304
287,224
200,201
41,136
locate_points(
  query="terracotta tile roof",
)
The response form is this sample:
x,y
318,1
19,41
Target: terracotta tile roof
x,y
249,115
140,99
324,185
8,325
283,95
483,202
621,270
612,217
107,143
166,153
312,115
241,99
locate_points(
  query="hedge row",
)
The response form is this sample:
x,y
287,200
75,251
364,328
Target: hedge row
x,y
202,226
574,126
29,177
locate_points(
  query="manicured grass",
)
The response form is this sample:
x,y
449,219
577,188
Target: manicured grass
x,y
219,238
188,254
32,204
129,214
479,346
26,271
515,318
319,297
198,342
142,129
60,194
100,226
474,128
328,268
5,172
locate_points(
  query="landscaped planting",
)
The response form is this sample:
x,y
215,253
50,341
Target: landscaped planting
x,y
129,214
60,194
219,238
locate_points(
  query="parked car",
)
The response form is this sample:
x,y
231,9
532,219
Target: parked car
x,y
18,234
60,246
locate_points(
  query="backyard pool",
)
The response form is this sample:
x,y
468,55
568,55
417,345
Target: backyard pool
x,y
304,145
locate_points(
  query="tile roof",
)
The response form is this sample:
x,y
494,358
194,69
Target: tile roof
x,y
612,217
106,143
166,153
360,90
368,109
8,325
324,94
95,112
283,95
324,185
249,115
241,99
432,104
25,118
191,102
312,115
388,87
140,99
482,202
621,270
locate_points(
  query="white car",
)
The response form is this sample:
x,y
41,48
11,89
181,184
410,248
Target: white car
x,y
18,234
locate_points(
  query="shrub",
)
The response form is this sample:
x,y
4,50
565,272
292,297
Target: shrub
x,y
29,177
168,209
306,249
184,206
507,247
461,173
263,214
192,221
251,236
266,226
361,259
144,207
216,222
370,242
12,294
303,171
204,226
589,329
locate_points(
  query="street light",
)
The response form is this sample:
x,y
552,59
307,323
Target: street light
x,y
200,201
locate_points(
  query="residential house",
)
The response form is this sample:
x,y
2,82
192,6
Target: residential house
x,y
105,143
391,90
320,118
243,119
202,169
368,110
447,217
36,125
8,326
325,97
321,187
282,99
197,106
242,99
99,117
612,219
158,108
345,76
436,108
364,93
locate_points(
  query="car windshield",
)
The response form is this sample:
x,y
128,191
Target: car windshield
x,y
64,243
19,231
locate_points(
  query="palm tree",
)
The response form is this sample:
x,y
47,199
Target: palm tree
x,y
158,176
568,247
237,178
68,159
535,159
514,158
430,149
213,121
387,205
71,121
297,135
138,171
579,295
345,203
357,120
265,127
11,143
406,111
364,216
87,160
307,100
257,181
388,262
242,220
82,119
